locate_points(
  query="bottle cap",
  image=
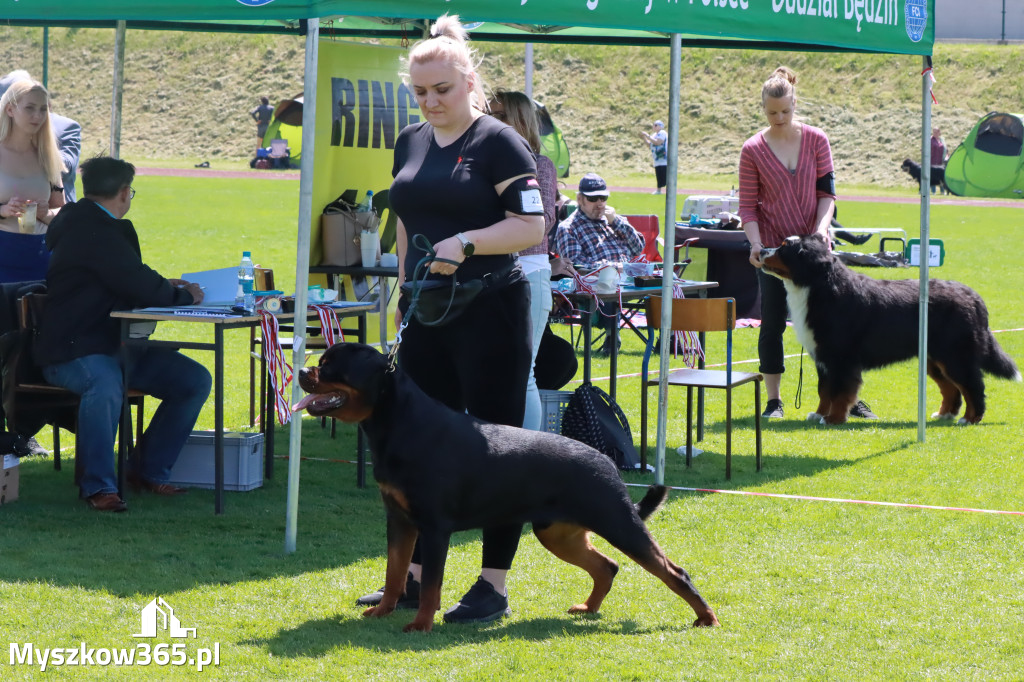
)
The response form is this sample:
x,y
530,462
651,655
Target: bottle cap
x,y
246,254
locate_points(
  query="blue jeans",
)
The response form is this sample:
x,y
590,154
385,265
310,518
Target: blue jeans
x,y
540,308
180,383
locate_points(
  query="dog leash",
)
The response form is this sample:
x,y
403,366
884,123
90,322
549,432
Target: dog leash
x,y
422,242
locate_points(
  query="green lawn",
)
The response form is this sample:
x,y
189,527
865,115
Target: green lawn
x,y
804,589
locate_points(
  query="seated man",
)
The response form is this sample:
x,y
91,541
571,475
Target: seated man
x,y
592,236
95,268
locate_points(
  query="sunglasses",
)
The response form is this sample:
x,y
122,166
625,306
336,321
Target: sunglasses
x,y
594,200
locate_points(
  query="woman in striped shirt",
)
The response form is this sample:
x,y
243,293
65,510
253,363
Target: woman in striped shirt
x,y
786,188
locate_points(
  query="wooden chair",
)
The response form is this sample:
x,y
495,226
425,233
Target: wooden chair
x,y
32,392
700,315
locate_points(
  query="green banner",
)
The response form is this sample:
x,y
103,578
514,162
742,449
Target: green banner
x,y
897,26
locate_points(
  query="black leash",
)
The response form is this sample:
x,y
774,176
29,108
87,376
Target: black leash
x,y
799,381
423,266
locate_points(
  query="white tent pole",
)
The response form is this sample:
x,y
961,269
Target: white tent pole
x,y
925,189
115,106
675,68
301,275
528,68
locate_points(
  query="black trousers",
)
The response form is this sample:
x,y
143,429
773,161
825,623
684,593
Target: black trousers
x,y
773,323
478,363
661,175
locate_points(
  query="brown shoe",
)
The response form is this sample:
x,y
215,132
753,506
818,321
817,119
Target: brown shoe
x,y
139,483
106,502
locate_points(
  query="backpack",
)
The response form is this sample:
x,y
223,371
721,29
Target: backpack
x,y
593,418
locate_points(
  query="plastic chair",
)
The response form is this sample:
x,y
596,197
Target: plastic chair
x,y
700,315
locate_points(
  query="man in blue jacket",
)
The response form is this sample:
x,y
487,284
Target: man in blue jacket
x,y
96,268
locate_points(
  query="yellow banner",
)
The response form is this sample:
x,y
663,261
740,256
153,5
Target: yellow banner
x,y
362,104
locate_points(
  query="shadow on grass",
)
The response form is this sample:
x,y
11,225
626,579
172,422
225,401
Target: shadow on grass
x,y
316,638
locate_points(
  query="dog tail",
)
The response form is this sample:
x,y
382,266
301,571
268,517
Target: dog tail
x,y
654,498
997,363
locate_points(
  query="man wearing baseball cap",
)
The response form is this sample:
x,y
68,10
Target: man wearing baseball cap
x,y
594,235
658,141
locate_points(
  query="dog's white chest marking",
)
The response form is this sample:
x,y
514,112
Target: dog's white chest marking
x,y
797,299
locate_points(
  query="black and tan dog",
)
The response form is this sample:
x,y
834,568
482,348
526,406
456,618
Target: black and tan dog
x,y
849,322
937,177
440,471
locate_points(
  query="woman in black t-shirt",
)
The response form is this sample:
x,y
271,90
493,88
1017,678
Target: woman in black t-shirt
x,y
468,183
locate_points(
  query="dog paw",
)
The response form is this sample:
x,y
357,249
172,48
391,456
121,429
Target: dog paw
x,y
377,612
580,608
815,417
419,626
964,421
944,416
708,620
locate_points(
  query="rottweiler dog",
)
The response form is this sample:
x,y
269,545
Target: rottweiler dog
x,y
440,471
937,178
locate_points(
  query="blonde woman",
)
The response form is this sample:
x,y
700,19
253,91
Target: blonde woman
x,y
787,187
467,182
30,179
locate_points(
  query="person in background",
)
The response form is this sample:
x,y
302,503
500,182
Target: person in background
x,y
518,111
657,139
787,187
30,181
594,236
262,114
67,132
467,182
938,149
97,268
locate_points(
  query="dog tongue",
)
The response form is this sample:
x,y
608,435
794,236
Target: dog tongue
x,y
302,404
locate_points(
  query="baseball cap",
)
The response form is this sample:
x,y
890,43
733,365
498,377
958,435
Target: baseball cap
x,y
592,185
659,124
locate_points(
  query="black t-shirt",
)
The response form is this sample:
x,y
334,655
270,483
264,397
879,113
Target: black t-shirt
x,y
441,191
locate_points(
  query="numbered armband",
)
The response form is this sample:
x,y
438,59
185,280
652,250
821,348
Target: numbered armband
x,y
522,197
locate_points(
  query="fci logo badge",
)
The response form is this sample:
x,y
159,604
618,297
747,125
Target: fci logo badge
x,y
255,3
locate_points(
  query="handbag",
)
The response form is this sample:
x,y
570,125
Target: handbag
x,y
340,226
594,419
438,303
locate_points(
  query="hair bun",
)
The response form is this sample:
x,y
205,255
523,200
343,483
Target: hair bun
x,y
785,73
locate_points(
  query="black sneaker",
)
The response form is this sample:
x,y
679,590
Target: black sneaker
x,y
481,604
410,599
773,410
861,409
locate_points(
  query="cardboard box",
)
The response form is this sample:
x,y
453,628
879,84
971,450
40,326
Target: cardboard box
x,y
9,479
707,207
243,461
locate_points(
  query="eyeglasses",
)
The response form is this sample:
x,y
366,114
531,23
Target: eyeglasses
x,y
131,194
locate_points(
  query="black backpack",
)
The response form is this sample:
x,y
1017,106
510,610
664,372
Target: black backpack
x,y
593,418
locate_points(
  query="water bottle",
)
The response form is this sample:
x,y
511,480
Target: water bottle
x,y
246,272
367,204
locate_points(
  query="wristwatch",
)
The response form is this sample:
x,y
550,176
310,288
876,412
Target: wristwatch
x,y
467,246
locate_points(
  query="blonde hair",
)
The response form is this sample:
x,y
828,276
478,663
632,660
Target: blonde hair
x,y
44,140
448,43
781,83
521,114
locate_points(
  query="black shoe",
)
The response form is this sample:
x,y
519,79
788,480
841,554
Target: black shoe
x,y
481,604
773,410
861,409
410,599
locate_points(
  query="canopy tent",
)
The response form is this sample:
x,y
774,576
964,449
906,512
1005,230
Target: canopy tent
x,y
882,26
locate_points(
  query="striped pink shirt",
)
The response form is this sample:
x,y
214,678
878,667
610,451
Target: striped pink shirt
x,y
783,203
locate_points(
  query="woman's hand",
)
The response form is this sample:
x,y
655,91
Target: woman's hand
x,y
14,208
755,254
451,249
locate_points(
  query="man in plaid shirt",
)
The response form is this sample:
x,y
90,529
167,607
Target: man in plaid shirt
x,y
594,235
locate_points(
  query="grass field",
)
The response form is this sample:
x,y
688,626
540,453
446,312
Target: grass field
x,y
807,590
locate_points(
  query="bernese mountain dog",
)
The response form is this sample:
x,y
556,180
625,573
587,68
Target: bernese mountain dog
x,y
849,322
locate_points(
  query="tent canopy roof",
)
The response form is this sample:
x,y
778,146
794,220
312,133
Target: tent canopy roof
x,y
889,26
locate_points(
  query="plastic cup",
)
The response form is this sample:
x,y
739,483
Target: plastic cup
x,y
27,220
369,244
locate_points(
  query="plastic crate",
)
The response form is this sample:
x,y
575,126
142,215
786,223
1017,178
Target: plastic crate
x,y
243,461
553,404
